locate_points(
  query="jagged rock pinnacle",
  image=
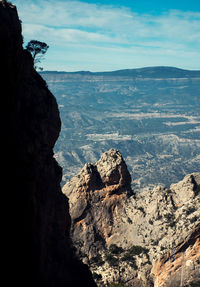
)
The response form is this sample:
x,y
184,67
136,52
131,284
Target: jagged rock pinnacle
x,y
95,196
112,169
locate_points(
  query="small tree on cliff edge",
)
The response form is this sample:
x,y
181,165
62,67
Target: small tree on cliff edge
x,y
37,50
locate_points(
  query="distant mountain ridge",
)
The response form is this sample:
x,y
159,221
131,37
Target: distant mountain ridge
x,y
146,72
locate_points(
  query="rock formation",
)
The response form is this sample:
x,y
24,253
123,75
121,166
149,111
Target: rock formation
x,y
182,265
39,250
95,199
145,239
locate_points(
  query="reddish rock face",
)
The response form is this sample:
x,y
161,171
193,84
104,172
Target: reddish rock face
x,y
182,265
39,251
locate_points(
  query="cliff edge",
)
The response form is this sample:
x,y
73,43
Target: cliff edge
x,y
39,251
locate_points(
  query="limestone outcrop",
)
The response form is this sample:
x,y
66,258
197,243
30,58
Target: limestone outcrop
x,y
96,195
138,239
39,250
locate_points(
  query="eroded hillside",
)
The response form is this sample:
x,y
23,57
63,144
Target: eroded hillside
x,y
151,115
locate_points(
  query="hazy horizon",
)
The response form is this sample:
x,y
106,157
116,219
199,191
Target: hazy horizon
x,y
137,68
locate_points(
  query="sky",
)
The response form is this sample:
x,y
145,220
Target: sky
x,y
107,35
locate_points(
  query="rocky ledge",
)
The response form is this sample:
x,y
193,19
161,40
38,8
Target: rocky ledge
x,y
144,239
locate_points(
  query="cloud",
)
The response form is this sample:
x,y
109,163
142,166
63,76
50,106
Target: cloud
x,y
68,23
69,13
64,35
109,20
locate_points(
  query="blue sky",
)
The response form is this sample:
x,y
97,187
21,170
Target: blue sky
x,y
106,35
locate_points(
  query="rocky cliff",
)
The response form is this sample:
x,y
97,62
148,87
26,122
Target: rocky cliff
x,y
96,198
145,239
39,250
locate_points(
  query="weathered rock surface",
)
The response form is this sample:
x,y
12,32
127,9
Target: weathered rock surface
x,y
39,250
113,170
182,265
96,197
147,227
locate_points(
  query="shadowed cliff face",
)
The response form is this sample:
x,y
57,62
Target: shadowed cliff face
x,y
39,249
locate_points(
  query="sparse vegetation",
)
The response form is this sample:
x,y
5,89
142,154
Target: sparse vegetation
x,y
37,50
127,257
96,276
170,217
113,284
130,260
97,260
190,210
154,242
4,2
172,223
137,250
193,219
150,222
159,217
117,254
112,260
142,210
129,220
193,284
168,191
113,254
114,249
